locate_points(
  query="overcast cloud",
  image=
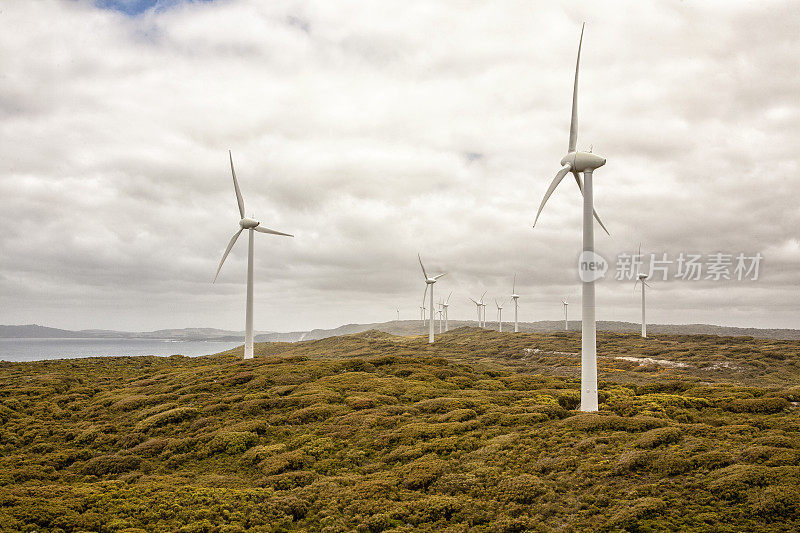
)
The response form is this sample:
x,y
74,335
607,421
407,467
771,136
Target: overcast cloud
x,y
377,130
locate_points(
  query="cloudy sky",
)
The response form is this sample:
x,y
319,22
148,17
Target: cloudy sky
x,y
374,131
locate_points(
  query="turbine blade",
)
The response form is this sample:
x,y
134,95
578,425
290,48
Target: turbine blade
x,y
440,275
423,267
482,295
424,294
579,181
559,176
635,284
514,285
647,285
473,301
227,251
262,229
573,123
239,198
446,302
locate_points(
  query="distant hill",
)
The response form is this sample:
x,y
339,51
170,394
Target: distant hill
x,y
416,327
395,327
34,331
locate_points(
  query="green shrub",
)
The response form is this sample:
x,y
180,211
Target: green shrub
x,y
421,472
755,405
173,416
232,442
733,482
524,489
628,515
658,437
776,503
103,465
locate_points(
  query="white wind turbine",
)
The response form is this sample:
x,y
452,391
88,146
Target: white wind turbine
x,y
478,306
440,312
250,225
429,283
586,162
566,306
499,315
641,278
483,311
398,314
515,297
445,305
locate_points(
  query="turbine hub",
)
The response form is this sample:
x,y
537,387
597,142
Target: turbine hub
x,y
582,161
248,223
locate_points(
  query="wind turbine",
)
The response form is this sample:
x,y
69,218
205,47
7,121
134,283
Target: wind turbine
x,y
398,314
429,283
478,305
445,305
566,322
642,278
586,162
483,308
440,312
250,225
515,297
499,315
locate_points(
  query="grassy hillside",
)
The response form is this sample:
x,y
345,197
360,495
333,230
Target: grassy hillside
x,y
372,432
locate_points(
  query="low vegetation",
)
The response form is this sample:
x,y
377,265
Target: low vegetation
x,y
373,432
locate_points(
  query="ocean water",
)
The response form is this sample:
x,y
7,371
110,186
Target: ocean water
x,y
40,349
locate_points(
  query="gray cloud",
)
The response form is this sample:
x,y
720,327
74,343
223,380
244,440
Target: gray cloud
x,y
376,131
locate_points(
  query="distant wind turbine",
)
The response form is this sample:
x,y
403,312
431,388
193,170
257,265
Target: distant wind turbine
x,y
429,281
445,305
398,314
566,322
499,315
586,162
250,225
478,305
515,297
642,278
483,309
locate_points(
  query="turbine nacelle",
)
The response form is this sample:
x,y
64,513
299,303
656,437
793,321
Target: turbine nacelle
x,y
248,223
583,161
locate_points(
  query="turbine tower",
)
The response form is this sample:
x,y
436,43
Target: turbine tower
x,y
429,283
642,278
515,297
445,305
566,322
398,314
250,225
483,309
478,305
499,315
586,162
